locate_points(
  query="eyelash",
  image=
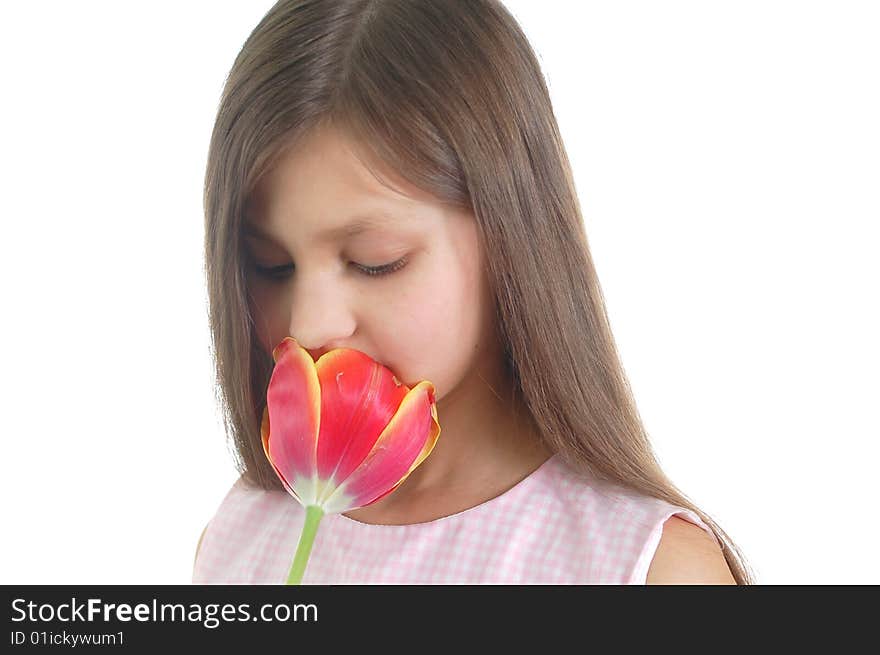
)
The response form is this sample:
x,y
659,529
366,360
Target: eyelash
x,y
280,272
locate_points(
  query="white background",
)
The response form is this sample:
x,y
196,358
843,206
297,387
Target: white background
x,y
727,158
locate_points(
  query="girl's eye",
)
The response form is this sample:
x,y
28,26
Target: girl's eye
x,y
385,269
280,272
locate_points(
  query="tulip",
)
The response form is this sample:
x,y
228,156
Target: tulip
x,y
341,432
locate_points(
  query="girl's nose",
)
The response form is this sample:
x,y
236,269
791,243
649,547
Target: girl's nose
x,y
320,316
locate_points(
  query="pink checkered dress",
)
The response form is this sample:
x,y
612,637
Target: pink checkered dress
x,y
553,527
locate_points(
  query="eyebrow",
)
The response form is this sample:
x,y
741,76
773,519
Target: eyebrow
x,y
358,225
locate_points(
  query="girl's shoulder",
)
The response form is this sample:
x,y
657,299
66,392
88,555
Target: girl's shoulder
x,y
615,524
605,504
243,515
687,555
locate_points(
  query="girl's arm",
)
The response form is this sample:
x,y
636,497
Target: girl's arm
x,y
199,545
686,554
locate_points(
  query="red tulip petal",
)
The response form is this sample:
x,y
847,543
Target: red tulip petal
x,y
429,446
359,397
294,405
406,441
264,432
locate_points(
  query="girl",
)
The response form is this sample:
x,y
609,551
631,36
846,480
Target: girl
x,y
388,175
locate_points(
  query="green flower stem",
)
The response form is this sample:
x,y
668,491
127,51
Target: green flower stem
x,y
310,528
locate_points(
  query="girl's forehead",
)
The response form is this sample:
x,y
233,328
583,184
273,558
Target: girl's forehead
x,y
326,160
325,189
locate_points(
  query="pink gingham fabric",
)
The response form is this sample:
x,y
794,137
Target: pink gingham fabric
x,y
553,527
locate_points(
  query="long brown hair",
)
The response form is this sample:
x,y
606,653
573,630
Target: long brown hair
x,y
450,96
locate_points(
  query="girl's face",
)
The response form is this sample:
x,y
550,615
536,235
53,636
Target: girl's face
x,y
407,288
